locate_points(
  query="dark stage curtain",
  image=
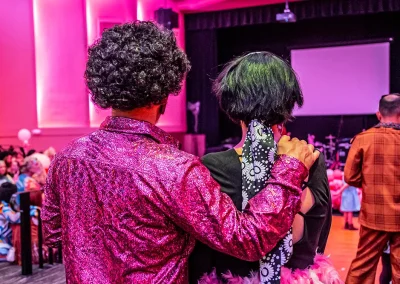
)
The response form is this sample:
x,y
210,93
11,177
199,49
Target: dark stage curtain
x,y
202,53
214,38
304,10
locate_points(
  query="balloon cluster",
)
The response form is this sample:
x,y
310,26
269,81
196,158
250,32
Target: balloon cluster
x,y
335,179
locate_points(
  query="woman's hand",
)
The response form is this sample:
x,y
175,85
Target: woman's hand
x,y
298,149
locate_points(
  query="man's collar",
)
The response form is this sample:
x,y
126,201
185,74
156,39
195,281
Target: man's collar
x,y
388,125
132,126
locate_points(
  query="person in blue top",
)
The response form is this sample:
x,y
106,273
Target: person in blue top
x,y
4,177
32,175
8,217
350,203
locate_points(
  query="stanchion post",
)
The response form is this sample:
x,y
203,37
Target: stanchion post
x,y
26,240
40,239
60,259
51,261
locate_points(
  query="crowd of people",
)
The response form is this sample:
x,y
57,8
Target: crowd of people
x,y
260,213
20,172
129,207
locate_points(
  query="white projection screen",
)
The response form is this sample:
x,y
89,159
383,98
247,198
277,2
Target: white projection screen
x,y
343,80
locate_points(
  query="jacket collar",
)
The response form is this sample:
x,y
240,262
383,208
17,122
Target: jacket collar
x,y
136,127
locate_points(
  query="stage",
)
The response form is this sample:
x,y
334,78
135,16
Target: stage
x,y
342,247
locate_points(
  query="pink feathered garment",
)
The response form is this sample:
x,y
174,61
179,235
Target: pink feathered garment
x,y
321,272
212,278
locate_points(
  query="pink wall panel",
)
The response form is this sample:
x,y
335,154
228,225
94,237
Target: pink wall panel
x,y
108,11
17,67
60,42
174,119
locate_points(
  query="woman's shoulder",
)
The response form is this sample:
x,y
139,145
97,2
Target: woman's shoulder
x,y
219,159
226,169
320,163
318,182
318,170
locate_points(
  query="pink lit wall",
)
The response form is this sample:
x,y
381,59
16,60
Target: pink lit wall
x,y
17,68
174,119
109,11
42,61
60,44
106,11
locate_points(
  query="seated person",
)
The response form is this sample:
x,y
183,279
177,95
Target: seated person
x,y
31,175
4,177
10,229
7,189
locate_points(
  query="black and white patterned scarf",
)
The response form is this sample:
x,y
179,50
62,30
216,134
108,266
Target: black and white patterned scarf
x,y
259,151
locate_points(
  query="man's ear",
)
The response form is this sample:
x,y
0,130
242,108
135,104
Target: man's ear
x,y
379,115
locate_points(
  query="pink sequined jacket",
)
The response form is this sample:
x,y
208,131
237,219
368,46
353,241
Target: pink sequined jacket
x,y
128,205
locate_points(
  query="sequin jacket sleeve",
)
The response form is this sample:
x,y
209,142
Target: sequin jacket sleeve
x,y
51,217
200,208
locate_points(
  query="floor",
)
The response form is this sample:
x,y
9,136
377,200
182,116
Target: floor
x,y
342,247
51,274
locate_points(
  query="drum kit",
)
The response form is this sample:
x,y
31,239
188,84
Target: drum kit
x,y
335,151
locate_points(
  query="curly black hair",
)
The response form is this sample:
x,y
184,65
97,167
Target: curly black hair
x,y
135,65
259,85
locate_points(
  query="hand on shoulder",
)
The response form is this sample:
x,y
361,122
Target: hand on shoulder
x,y
299,150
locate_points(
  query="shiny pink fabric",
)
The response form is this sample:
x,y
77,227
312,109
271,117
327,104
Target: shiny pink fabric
x,y
127,206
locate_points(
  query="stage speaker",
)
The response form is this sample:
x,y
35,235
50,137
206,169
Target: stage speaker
x,y
167,18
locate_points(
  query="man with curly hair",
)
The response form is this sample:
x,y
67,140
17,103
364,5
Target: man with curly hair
x,y
125,203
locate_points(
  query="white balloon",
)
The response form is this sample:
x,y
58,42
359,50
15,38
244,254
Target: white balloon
x,y
24,135
43,159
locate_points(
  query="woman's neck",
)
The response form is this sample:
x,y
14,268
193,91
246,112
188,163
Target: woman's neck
x,y
244,134
277,136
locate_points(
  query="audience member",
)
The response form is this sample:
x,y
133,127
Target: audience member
x,y
8,158
13,169
28,174
50,152
19,158
4,177
31,175
7,189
